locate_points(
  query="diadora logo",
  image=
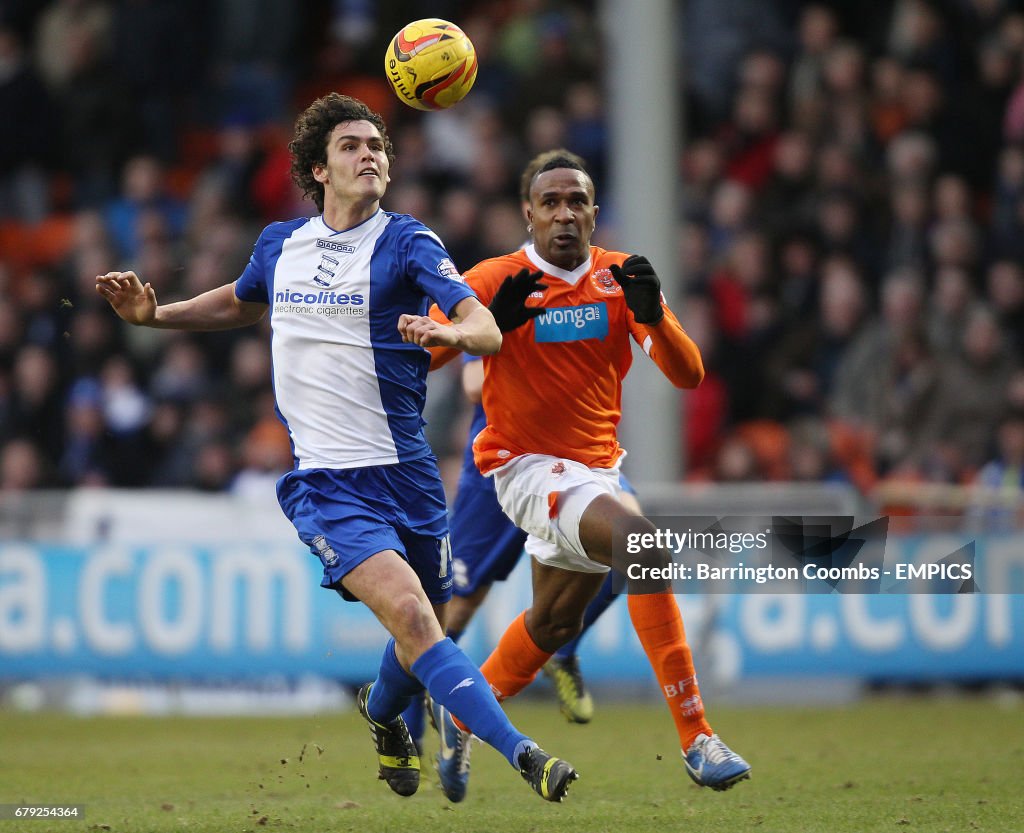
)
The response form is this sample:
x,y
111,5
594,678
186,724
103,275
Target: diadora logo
x,y
344,248
604,282
571,323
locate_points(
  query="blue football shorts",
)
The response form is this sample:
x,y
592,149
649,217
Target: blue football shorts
x,y
486,545
345,516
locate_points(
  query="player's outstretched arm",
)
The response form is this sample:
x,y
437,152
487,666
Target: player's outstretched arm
x,y
472,330
660,333
135,302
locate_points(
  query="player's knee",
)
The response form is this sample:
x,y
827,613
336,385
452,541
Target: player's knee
x,y
637,530
638,560
411,619
552,629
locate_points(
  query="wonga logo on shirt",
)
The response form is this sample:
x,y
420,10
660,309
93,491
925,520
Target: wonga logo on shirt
x,y
571,323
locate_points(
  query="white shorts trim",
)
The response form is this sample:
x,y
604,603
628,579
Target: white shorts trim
x,y
524,486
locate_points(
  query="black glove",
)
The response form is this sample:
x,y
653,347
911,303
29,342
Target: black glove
x,y
509,303
641,287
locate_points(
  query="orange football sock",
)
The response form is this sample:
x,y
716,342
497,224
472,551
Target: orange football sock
x,y
514,663
659,625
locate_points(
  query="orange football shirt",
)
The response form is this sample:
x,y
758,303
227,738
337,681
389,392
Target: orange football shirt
x,y
555,387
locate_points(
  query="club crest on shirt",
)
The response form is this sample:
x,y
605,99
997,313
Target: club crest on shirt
x,y
326,270
446,269
558,468
604,282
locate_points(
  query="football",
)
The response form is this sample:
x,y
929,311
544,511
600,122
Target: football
x,y
430,64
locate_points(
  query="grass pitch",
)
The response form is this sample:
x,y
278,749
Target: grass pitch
x,y
889,764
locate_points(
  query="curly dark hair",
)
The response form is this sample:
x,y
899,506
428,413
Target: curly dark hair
x,y
312,130
548,161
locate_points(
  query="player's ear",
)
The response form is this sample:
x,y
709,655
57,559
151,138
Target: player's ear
x,y
597,210
320,173
524,206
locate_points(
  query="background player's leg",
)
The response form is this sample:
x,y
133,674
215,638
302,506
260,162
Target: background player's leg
x,y
559,599
461,610
598,605
563,669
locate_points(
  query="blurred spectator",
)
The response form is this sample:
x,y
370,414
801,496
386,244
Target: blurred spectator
x,y
801,368
906,245
254,42
459,227
84,460
841,229
22,467
747,317
908,393
811,457
266,455
750,136
26,133
70,35
586,132
706,408
735,462
857,394
972,387
797,277
999,505
702,166
730,212
886,112
787,200
949,307
817,29
35,407
1004,284
716,35
129,218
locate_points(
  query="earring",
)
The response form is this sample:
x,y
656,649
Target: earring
x,y
529,228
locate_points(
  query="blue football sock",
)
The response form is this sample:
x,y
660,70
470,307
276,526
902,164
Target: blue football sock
x,y
393,689
598,605
457,684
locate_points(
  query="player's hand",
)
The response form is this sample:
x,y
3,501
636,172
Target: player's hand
x,y
132,300
426,332
641,287
508,306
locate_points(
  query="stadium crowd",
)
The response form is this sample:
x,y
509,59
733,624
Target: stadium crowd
x,y
850,238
